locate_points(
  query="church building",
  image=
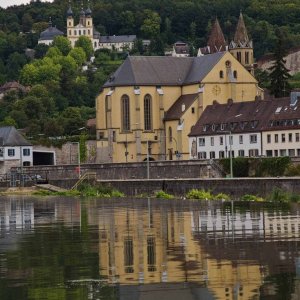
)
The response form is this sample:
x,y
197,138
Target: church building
x,y
85,27
149,105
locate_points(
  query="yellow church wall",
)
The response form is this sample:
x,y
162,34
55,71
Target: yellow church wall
x,y
134,142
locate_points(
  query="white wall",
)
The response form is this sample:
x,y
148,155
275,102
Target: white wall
x,y
216,146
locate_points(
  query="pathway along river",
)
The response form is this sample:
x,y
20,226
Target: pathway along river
x,y
70,248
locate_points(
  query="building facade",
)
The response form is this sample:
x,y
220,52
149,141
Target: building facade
x,y
258,128
15,151
149,105
119,43
232,129
85,27
47,36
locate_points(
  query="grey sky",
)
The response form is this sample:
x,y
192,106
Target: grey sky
x,y
6,3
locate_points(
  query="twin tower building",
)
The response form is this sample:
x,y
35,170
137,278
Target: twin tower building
x,y
241,47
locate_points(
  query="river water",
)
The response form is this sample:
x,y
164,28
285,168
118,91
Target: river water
x,y
60,248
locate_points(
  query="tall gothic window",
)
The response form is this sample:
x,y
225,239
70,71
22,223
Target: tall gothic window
x,y
247,58
170,134
239,56
148,112
125,110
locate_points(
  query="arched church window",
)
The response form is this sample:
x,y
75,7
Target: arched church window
x,y
221,74
148,112
235,74
170,134
247,58
239,56
125,113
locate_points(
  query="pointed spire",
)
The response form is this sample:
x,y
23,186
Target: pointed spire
x,y
70,11
241,35
216,41
82,12
88,12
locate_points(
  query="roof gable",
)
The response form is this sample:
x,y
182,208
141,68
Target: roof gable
x,y
9,136
180,106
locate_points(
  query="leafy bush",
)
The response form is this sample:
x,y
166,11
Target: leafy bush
x,y
293,170
248,197
99,190
199,194
272,166
221,196
240,166
280,196
163,195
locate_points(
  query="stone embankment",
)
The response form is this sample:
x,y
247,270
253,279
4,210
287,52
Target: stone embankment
x,y
174,177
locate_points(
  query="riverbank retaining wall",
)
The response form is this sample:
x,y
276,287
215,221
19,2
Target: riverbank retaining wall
x,y
235,187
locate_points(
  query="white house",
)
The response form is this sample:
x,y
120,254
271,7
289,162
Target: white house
x,y
281,133
15,150
229,128
119,43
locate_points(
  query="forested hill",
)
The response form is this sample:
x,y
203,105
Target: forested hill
x,y
61,95
178,19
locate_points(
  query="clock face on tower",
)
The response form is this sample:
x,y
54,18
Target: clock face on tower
x,y
216,90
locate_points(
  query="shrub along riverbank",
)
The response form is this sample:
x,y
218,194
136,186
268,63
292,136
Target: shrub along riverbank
x,y
103,191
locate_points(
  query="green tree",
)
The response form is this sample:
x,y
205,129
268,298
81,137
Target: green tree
x,y
78,55
279,74
151,24
29,74
86,44
63,44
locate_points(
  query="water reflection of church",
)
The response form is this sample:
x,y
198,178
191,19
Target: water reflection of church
x,y
155,245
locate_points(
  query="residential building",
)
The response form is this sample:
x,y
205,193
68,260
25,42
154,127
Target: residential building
x,y
12,86
15,150
258,128
149,105
180,49
48,35
231,129
281,132
119,43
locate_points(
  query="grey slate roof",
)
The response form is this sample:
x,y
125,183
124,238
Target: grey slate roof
x,y
9,136
117,38
163,70
175,112
50,33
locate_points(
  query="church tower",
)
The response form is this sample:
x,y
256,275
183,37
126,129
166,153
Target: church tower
x,y
70,22
216,41
89,22
242,47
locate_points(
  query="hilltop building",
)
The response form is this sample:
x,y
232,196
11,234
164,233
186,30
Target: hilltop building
x,y
241,47
48,35
85,27
149,105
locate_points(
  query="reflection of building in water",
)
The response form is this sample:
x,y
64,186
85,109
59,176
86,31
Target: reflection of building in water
x,y
151,246
222,222
16,214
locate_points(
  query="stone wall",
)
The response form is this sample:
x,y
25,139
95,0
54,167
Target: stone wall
x,y
123,171
179,187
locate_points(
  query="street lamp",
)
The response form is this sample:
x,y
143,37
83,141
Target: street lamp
x,y
230,150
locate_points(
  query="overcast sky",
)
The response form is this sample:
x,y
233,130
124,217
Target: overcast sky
x,y
5,3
